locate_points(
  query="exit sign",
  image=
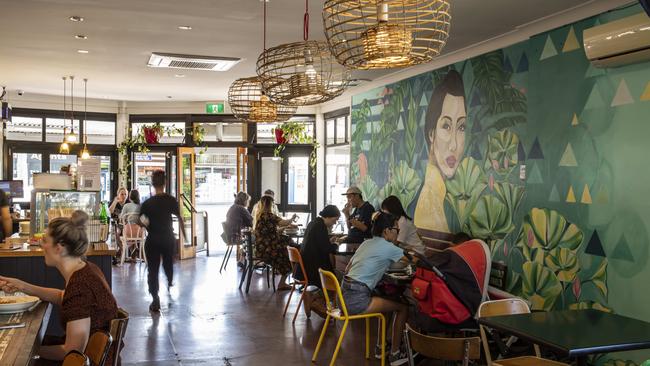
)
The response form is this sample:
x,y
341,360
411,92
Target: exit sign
x,y
214,108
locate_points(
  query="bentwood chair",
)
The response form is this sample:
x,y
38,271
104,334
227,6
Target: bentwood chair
x,y
442,348
118,329
230,244
296,262
330,283
76,358
99,344
510,307
133,237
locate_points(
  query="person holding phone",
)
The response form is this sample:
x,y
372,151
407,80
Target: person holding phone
x,y
358,216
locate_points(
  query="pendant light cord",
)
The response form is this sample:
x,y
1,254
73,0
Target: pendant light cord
x,y
85,111
305,22
264,32
72,103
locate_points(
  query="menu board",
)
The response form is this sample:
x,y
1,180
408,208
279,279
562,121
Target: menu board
x,y
89,174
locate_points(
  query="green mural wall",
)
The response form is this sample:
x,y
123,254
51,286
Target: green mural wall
x,y
535,151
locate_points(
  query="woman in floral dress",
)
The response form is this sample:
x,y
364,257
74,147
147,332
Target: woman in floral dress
x,y
270,245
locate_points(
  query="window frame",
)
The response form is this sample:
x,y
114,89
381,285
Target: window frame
x,y
334,115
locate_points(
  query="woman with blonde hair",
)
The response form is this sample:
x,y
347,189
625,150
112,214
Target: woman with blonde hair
x,y
270,245
87,304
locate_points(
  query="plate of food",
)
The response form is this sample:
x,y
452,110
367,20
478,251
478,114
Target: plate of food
x,y
15,303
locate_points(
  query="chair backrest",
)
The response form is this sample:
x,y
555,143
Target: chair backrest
x,y
442,348
498,308
99,344
132,232
296,260
118,329
76,358
330,283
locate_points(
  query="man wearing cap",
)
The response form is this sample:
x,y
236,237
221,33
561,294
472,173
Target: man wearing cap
x,y
358,215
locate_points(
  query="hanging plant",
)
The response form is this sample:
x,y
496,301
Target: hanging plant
x,y
295,132
149,135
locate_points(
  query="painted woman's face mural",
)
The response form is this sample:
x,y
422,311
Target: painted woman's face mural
x,y
449,135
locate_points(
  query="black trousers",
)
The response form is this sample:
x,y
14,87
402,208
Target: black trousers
x,y
155,250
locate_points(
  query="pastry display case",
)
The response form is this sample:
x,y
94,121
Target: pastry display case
x,y
48,204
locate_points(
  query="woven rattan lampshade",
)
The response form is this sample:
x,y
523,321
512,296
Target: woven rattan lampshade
x,y
250,104
301,73
380,34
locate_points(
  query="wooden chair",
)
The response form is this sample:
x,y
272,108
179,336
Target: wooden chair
x,y
99,344
118,329
509,307
296,262
442,348
230,243
330,283
76,358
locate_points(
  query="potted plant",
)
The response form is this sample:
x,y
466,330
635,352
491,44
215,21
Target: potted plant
x,y
295,132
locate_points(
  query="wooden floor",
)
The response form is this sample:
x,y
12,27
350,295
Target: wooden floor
x,y
206,320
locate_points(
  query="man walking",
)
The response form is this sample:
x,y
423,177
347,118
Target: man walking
x,y
156,215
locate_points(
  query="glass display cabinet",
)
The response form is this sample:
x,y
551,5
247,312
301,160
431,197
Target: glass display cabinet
x,y
48,204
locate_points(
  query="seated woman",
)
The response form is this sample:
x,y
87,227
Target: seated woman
x,y
317,248
408,237
238,216
364,271
270,245
87,304
131,210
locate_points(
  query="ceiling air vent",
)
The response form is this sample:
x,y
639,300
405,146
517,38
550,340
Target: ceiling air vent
x,y
193,62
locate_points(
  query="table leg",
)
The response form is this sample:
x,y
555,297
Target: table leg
x,y
251,266
244,273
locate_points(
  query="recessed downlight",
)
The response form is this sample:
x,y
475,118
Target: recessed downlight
x,y
169,97
76,18
81,36
180,75
83,51
184,27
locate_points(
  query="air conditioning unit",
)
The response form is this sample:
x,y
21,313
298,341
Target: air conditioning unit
x,y
621,42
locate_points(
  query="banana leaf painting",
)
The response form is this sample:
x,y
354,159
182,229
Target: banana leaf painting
x,y
540,286
490,219
502,152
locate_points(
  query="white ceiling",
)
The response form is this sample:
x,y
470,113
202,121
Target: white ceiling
x,y
37,44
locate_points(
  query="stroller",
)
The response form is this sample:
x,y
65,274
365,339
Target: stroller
x,y
451,285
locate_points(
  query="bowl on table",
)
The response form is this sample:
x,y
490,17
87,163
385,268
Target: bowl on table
x,y
16,303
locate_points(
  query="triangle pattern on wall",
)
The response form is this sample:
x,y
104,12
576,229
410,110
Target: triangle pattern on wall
x,y
622,251
646,93
574,121
523,63
568,158
595,246
570,196
594,71
586,196
623,95
535,176
571,43
549,49
521,153
554,196
536,150
602,197
595,99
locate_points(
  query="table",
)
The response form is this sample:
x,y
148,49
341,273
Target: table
x,y
576,333
19,345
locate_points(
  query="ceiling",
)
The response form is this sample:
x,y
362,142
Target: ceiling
x,y
38,47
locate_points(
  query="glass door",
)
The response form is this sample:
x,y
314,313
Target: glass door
x,y
185,191
143,166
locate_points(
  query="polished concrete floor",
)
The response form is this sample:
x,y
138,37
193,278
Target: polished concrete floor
x,y
207,320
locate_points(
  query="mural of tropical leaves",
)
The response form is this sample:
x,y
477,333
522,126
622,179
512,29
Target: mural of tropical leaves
x,y
599,279
502,152
510,195
622,363
469,180
490,219
564,263
369,189
540,285
548,229
405,183
590,305
410,131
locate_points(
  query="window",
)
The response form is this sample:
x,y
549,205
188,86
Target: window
x,y
337,157
54,129
176,137
100,132
58,161
265,134
25,129
24,167
218,132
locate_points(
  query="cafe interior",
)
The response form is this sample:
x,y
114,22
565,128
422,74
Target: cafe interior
x,y
332,182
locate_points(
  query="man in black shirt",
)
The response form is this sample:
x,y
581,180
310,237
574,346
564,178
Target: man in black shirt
x,y
156,215
5,216
358,215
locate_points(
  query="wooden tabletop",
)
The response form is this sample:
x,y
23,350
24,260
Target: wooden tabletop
x,y
17,346
36,251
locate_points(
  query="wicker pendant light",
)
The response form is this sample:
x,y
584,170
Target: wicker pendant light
x,y
381,34
301,73
249,102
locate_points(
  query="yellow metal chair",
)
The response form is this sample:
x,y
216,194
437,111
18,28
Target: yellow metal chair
x,y
330,283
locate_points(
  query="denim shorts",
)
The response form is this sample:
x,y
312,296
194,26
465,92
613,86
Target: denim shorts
x,y
357,296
